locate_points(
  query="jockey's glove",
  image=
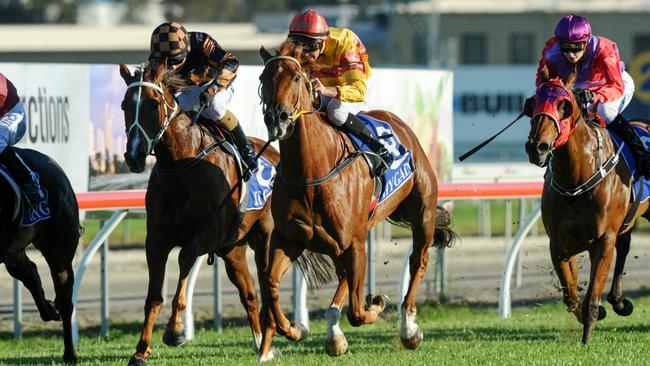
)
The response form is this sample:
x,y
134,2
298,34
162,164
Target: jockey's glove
x,y
206,98
584,96
529,106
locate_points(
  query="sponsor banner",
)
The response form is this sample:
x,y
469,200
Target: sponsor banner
x,y
486,98
639,69
56,104
423,98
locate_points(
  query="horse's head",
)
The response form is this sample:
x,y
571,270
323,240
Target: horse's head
x,y
285,90
554,119
149,106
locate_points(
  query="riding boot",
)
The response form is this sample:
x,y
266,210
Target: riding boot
x,y
245,149
26,177
626,132
359,129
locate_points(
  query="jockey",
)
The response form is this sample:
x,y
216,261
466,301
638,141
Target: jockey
x,y
13,124
199,59
340,80
601,79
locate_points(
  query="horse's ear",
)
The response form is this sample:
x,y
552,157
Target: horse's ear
x,y
570,80
544,74
125,73
265,54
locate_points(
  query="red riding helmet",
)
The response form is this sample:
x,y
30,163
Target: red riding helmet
x,y
309,24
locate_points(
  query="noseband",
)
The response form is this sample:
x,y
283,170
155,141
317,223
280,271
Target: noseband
x,y
151,142
273,113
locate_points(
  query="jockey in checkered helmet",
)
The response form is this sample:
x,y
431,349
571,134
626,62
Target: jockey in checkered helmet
x,y
343,69
210,71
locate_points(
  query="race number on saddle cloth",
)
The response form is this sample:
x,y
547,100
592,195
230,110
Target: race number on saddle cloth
x,y
401,170
627,155
30,215
260,184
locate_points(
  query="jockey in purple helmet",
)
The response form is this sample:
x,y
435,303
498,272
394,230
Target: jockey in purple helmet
x,y
601,79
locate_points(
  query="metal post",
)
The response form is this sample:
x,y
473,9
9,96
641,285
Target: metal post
x,y
216,290
404,279
441,273
372,242
18,309
188,314
300,312
104,294
485,218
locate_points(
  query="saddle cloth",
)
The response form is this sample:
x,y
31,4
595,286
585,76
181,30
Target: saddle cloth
x,y
628,157
30,216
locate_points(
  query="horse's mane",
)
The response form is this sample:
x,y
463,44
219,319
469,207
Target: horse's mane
x,y
156,71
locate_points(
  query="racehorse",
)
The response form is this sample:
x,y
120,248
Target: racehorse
x,y
192,200
586,199
323,206
56,238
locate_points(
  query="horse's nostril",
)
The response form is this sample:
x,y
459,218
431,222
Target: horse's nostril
x,y
542,147
283,116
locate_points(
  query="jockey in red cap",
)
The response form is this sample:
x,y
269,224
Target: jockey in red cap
x,y
13,124
601,79
340,80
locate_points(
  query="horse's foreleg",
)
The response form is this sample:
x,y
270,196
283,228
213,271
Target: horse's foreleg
x,y
622,306
24,270
174,334
156,260
336,344
239,275
63,279
601,255
410,332
281,257
567,271
262,248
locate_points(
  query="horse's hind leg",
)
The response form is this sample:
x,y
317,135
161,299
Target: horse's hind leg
x,y
156,259
239,275
336,344
63,277
621,305
174,334
21,268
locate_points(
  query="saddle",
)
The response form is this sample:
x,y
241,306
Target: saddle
x,y
22,209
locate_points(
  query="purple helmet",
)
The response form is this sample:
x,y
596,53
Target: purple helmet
x,y
573,28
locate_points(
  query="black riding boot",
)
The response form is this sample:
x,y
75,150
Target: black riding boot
x,y
245,149
357,127
626,132
26,177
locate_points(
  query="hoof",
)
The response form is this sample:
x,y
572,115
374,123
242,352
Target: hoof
x,y
337,346
70,358
379,301
602,313
137,361
304,333
173,339
624,307
49,312
273,354
413,341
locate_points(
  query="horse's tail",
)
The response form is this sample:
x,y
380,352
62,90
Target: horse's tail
x,y
317,269
444,236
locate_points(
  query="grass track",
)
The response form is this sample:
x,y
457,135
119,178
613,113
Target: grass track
x,y
456,335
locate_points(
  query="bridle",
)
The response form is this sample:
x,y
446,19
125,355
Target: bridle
x,y
271,113
170,112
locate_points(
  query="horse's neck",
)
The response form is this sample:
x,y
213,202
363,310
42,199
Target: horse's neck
x,y
580,157
181,141
312,149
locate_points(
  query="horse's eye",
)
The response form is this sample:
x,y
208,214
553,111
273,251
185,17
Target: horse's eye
x,y
296,78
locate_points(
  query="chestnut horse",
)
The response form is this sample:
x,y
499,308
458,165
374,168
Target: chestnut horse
x,y
56,238
331,216
586,198
192,200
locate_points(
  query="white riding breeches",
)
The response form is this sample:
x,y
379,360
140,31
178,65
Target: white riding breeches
x,y
609,110
12,126
189,101
337,110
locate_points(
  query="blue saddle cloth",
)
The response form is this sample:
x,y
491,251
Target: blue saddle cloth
x,y
31,215
261,184
402,168
628,157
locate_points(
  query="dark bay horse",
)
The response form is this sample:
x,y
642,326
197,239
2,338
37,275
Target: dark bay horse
x,y
56,238
586,198
189,201
332,217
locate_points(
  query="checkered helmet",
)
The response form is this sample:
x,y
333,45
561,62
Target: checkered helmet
x,y
170,41
308,24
